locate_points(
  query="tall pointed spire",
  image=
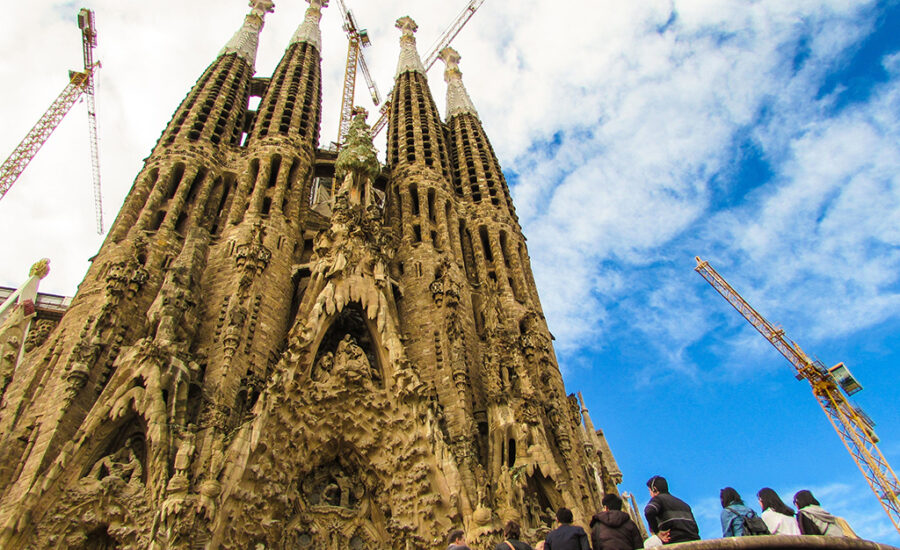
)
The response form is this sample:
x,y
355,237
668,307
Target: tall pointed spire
x,y
458,100
409,56
309,30
246,40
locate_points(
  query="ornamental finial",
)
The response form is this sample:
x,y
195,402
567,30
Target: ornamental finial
x,y
409,56
458,100
245,41
261,7
309,30
40,269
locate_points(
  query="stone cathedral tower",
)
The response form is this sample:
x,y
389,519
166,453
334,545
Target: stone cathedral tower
x,y
280,347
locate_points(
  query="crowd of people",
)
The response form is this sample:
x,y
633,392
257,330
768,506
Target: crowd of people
x,y
671,520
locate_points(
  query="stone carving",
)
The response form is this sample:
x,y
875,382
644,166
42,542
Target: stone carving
x,y
351,364
38,334
398,394
123,464
252,257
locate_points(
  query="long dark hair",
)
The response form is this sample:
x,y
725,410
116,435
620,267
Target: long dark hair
x,y
770,500
729,496
804,498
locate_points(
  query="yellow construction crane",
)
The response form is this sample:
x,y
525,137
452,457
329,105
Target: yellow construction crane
x,y
442,42
358,39
79,83
829,385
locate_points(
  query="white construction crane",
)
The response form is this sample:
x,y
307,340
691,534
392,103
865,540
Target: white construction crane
x,y
442,42
358,39
79,83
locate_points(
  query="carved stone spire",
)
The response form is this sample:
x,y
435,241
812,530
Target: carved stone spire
x,y
309,30
458,100
358,154
409,56
246,40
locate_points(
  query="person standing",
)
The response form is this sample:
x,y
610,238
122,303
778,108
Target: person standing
x,y
457,540
779,517
812,519
511,533
566,536
734,512
613,529
670,518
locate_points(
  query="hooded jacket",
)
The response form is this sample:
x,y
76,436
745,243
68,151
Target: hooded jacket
x,y
614,530
813,520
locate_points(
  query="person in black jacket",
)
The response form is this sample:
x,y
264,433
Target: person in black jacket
x,y
670,518
612,529
566,536
511,534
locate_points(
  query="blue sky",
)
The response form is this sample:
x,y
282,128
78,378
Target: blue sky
x,y
795,198
762,136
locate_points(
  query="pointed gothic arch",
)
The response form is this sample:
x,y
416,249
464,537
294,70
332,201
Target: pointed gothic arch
x,y
349,337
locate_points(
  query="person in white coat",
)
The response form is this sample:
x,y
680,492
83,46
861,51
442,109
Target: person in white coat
x,y
779,517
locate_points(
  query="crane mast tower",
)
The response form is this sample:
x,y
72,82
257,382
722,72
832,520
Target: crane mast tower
x,y
829,385
79,83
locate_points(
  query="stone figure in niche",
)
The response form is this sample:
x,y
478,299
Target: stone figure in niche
x,y
351,363
185,451
168,312
332,485
323,366
123,464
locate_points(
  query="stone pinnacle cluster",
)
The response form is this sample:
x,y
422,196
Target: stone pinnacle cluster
x,y
278,346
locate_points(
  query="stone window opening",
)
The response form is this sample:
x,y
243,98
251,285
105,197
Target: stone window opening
x,y
177,174
158,220
417,233
414,199
486,245
511,452
266,206
274,168
432,214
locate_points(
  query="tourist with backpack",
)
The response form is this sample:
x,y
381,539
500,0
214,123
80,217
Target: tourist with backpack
x,y
737,519
812,519
779,517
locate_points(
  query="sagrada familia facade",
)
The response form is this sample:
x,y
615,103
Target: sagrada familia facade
x,y
278,346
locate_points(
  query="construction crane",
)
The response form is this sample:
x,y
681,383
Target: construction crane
x,y
442,42
358,39
79,83
829,385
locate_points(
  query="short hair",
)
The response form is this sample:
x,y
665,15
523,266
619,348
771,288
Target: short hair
x,y
512,530
564,515
612,501
658,484
455,535
804,498
729,496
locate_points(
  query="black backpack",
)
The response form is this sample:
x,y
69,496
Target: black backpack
x,y
754,525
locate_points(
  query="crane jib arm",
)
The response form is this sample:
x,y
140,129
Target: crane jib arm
x,y
13,166
851,424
